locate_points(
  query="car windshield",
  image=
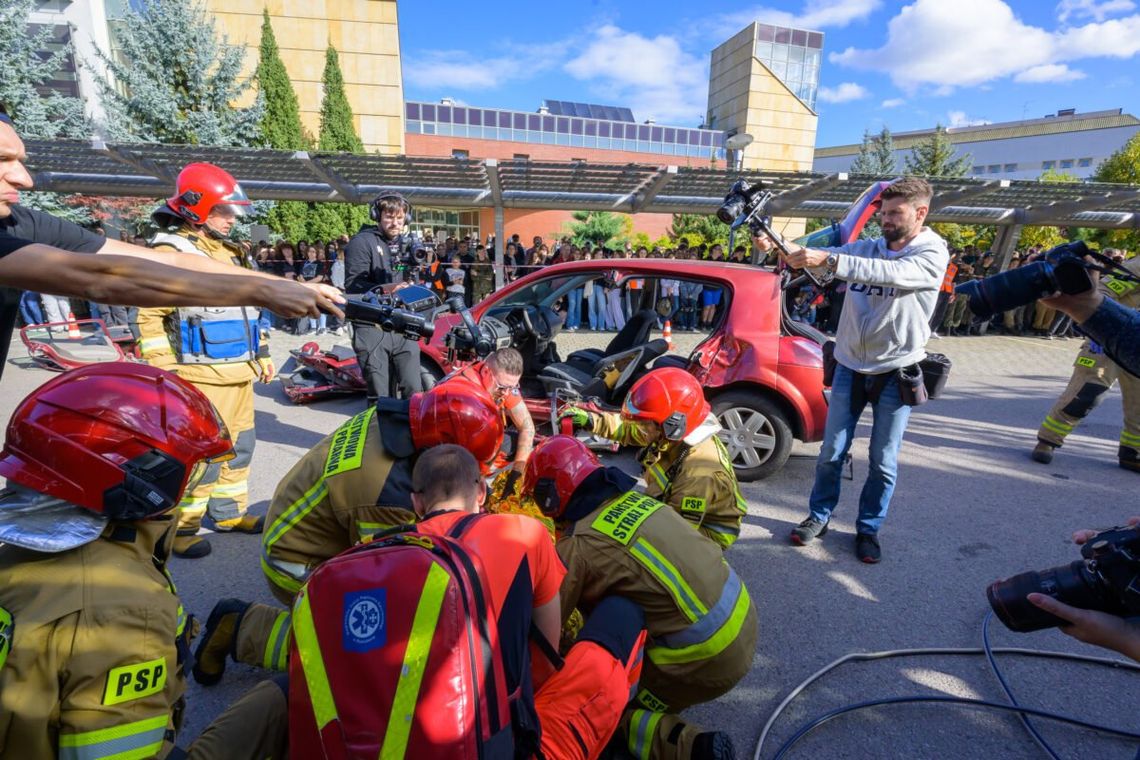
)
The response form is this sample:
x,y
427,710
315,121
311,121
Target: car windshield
x,y
546,291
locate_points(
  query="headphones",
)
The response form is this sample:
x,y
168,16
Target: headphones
x,y
374,207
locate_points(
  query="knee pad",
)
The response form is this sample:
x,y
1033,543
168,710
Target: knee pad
x,y
1085,401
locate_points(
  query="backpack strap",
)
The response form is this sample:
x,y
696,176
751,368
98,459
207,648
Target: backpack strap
x,y
462,525
546,647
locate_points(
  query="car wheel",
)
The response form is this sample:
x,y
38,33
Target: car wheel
x,y
756,433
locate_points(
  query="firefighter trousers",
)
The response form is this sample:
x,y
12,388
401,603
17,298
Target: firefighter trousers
x,y
224,494
256,726
1093,376
263,637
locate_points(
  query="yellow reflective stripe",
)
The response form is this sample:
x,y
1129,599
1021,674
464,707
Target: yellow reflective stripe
x,y
151,345
687,600
230,489
726,463
278,643
141,739
658,474
278,578
415,662
366,530
312,664
295,513
1056,426
5,635
712,646
642,729
1129,439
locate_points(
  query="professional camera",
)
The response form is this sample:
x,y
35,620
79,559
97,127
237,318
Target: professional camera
x,y
1063,268
406,311
471,340
1106,579
742,202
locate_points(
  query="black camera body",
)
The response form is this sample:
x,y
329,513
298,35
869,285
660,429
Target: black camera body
x,y
1107,578
406,311
741,202
1060,269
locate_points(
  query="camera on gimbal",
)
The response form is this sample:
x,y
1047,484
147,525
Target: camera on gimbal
x,y
1107,578
406,311
742,203
1061,269
470,340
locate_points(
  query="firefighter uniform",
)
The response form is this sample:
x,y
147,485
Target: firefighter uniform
x,y
343,491
697,481
179,340
701,622
1093,375
95,667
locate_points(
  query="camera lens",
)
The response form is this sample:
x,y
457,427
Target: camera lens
x,y
733,206
1008,290
1072,584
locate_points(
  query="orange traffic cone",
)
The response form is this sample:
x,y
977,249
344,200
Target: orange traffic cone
x,y
668,334
72,327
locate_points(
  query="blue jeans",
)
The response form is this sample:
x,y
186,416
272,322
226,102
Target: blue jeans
x,y
890,418
265,320
574,308
30,310
599,310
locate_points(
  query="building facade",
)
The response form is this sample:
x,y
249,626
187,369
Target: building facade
x,y
83,25
1067,141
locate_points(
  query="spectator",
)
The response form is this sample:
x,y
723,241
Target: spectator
x,y
802,309
455,278
710,296
482,275
613,299
56,309
690,298
739,255
574,298
312,272
336,279
671,289
285,266
958,314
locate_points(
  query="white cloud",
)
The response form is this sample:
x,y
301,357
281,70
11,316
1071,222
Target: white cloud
x,y
960,119
939,46
653,76
1049,72
844,93
460,70
1097,10
892,103
816,14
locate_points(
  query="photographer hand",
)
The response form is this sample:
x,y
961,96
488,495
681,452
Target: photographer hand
x,y
764,243
1081,306
1093,627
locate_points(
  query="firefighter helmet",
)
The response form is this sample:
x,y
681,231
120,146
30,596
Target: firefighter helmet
x,y
457,411
672,398
202,188
556,468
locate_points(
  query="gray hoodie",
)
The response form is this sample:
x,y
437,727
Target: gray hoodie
x,y
890,298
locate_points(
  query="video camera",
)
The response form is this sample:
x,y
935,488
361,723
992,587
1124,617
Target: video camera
x,y
475,341
406,311
1107,578
1063,269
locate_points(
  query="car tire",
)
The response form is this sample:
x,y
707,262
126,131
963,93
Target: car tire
x,y
756,433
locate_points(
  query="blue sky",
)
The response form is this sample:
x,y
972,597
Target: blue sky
x,y
906,65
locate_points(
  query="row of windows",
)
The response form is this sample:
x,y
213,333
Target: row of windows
x,y
577,141
1067,163
490,119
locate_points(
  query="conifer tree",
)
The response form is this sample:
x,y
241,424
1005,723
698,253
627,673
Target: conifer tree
x,y
936,157
337,135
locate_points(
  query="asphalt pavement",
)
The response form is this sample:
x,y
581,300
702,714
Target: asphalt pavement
x,y
969,507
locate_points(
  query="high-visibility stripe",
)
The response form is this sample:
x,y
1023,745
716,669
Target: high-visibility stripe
x,y
150,345
1128,439
194,505
312,664
231,490
296,511
705,628
712,646
141,739
642,728
278,577
1056,426
658,474
687,600
278,643
726,463
366,530
415,663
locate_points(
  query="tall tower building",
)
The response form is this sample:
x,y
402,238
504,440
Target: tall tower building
x,y
365,34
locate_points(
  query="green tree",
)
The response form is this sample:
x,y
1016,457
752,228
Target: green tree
x,y
698,228
594,227
337,135
37,111
177,79
281,128
876,155
936,157
1122,166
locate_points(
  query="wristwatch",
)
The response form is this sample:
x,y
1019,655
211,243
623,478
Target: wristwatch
x,y
832,262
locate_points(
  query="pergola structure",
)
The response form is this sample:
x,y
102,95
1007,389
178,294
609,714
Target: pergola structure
x,y
99,168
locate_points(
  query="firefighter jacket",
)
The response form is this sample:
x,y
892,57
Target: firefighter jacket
x,y
1124,291
346,489
701,622
697,480
95,667
215,346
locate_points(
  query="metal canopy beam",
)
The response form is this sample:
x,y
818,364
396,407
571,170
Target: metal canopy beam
x,y
1057,212
648,190
789,199
147,166
346,190
965,193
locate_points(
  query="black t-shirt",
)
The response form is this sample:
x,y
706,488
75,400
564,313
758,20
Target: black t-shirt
x,y
23,226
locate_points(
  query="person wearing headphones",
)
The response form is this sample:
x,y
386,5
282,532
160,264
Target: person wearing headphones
x,y
371,259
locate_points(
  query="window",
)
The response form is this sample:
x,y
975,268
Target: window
x,y
1066,163
979,170
1084,163
1048,165
1010,168
522,156
462,155
994,168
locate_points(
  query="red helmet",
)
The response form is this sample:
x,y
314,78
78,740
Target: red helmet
x,y
672,398
204,187
124,440
556,468
459,412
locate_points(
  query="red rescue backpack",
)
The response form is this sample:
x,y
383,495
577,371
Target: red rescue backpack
x,y
396,653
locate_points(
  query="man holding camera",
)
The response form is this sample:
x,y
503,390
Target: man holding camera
x,y
370,260
893,284
1093,375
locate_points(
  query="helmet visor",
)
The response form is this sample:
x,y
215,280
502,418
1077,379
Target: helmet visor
x,y
236,202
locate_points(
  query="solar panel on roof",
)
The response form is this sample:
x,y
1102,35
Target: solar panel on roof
x,y
588,110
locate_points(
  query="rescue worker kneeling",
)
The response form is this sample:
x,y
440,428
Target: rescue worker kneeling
x,y
353,484
93,639
684,462
701,622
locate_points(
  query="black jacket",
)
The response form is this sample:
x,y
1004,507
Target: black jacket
x,y
368,261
